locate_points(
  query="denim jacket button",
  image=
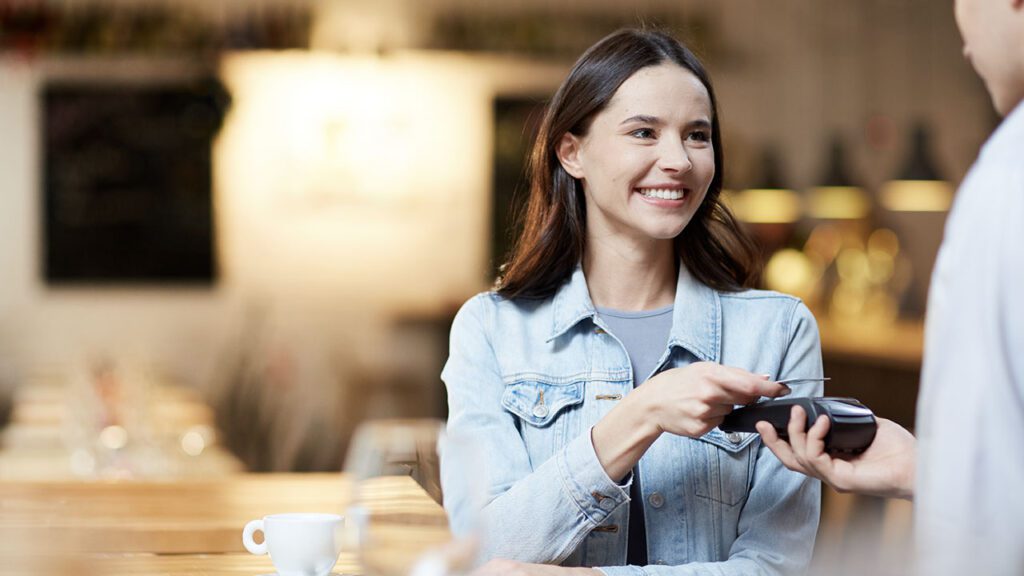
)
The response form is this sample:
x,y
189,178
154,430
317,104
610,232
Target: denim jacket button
x,y
656,500
734,437
604,502
540,410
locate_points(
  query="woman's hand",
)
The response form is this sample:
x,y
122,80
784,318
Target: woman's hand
x,y
885,469
692,400
513,568
686,401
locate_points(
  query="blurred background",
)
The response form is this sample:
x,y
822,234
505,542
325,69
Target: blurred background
x,y
231,230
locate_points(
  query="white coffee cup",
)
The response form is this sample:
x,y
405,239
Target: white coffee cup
x,y
301,544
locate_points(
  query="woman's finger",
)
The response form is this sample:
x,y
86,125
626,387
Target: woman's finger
x,y
737,386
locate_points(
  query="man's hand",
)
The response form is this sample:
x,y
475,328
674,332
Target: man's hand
x,y
885,469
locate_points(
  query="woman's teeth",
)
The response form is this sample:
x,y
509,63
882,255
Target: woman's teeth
x,y
663,194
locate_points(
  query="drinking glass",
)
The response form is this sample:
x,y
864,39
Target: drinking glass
x,y
396,520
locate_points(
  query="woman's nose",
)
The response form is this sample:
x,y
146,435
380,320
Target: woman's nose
x,y
674,157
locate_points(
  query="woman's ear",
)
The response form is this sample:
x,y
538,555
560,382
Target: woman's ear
x,y
568,152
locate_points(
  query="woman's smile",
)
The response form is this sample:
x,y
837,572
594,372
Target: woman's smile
x,y
666,196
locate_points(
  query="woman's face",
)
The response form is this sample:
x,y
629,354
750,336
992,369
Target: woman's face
x,y
647,160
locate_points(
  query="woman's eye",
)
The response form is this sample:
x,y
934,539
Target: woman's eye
x,y
644,133
700,136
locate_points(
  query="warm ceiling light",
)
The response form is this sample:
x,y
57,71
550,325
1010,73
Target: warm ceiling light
x,y
917,196
767,206
838,203
918,188
837,198
770,202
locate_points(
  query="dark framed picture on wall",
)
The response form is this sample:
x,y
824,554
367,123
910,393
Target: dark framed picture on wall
x,y
127,180
516,121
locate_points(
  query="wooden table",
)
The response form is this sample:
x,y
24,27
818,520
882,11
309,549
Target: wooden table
x,y
182,527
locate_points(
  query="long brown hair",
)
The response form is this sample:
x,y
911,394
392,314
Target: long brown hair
x,y
712,246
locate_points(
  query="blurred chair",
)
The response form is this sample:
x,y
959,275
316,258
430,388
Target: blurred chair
x,y
296,379
283,392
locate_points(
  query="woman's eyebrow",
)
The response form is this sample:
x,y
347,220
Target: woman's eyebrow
x,y
643,119
656,121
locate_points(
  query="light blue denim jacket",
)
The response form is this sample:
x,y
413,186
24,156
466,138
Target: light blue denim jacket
x,y
530,378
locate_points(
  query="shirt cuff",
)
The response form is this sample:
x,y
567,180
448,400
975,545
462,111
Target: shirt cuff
x,y
587,483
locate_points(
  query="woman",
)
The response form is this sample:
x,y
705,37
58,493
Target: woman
x,y
620,334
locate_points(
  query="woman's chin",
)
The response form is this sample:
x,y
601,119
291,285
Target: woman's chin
x,y
666,231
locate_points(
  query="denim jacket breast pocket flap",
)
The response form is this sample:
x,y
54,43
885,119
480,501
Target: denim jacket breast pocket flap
x,y
539,403
724,466
734,442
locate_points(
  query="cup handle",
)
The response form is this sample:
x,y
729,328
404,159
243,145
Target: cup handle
x,y
247,541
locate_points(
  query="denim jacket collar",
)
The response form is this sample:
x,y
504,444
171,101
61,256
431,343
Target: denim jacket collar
x,y
696,313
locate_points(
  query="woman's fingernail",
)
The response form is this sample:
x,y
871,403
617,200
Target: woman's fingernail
x,y
766,376
785,390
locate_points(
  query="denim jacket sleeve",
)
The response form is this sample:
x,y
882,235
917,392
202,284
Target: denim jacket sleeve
x,y
779,521
532,514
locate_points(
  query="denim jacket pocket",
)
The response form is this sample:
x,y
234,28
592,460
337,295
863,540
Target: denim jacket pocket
x,y
538,403
545,415
723,466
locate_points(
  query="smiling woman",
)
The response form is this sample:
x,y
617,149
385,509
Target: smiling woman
x,y
618,337
610,76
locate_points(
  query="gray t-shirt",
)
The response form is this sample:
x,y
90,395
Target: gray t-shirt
x,y
644,334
